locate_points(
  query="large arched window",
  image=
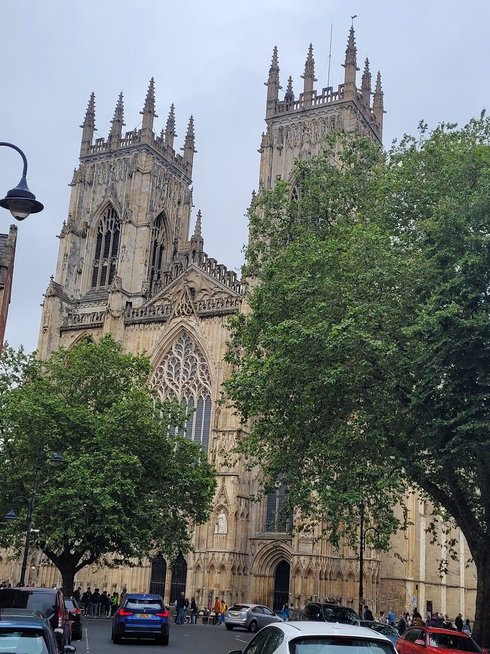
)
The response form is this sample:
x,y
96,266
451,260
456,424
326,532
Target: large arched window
x,y
183,374
158,252
106,249
278,518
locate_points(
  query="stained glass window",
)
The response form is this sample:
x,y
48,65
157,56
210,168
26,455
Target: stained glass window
x,y
183,374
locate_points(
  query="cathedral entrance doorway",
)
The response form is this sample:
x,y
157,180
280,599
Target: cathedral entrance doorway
x,y
179,575
281,585
158,574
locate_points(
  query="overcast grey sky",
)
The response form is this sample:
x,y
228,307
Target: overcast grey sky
x,y
210,58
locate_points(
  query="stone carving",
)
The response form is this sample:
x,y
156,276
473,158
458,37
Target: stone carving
x,y
221,526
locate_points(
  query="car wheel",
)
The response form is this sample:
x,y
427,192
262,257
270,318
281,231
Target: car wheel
x,y
229,626
163,640
252,626
116,639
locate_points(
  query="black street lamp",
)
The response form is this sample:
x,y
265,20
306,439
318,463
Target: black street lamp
x,y
11,515
19,200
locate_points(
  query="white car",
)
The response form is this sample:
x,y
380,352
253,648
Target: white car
x,y
317,638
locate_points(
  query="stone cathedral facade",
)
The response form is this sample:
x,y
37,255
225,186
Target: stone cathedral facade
x,y
132,263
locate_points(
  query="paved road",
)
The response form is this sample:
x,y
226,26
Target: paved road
x,y
184,639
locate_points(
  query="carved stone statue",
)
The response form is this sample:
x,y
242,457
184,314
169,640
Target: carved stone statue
x,y
221,524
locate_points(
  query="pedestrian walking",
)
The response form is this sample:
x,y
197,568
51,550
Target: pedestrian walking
x,y
216,610
402,625
368,614
180,606
86,600
95,603
193,610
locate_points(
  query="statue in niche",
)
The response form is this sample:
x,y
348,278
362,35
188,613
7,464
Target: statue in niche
x,y
221,526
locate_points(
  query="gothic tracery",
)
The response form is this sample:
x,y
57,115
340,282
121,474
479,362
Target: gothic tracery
x,y
183,374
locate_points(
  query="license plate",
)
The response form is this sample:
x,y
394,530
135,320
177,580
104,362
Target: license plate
x,y
143,615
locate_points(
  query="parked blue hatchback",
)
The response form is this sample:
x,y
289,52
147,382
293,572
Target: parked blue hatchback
x,y
29,633
141,616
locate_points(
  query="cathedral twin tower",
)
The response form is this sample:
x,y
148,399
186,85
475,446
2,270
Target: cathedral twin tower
x,y
129,266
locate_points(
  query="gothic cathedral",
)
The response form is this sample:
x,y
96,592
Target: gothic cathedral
x,y
130,265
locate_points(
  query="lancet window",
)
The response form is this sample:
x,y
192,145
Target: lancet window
x,y
278,519
106,249
183,374
158,252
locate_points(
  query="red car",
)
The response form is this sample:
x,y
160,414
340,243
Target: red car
x,y
431,640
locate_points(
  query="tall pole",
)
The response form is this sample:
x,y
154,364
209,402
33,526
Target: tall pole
x,y
361,556
30,510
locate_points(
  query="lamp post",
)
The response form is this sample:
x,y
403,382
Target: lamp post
x,y
19,200
11,515
362,507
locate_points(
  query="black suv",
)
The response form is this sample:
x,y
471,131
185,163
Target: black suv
x,y
326,612
46,601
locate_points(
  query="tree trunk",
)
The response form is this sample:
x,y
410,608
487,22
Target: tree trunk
x,y
68,576
481,631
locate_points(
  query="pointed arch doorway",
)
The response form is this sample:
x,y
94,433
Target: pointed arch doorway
x,y
179,577
281,585
158,574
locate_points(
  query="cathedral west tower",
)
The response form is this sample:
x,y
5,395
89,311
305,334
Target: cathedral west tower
x,y
131,265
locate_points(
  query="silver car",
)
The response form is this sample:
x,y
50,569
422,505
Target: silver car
x,y
250,616
316,637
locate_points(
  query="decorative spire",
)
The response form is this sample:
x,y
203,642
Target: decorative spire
x,y
117,123
88,126
378,103
189,142
273,83
309,65
149,108
289,95
350,65
309,77
89,120
351,50
170,128
197,241
366,83
198,228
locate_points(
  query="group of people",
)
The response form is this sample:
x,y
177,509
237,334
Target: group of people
x,y
432,620
187,611
98,604
185,608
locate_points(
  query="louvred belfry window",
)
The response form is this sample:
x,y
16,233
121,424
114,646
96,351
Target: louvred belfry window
x,y
158,252
183,374
106,249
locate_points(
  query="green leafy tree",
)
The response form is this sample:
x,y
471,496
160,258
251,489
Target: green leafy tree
x,y
363,366
126,488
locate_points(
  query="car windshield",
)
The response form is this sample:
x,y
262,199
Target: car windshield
x,y
381,628
143,605
336,645
339,614
25,641
15,598
453,641
239,607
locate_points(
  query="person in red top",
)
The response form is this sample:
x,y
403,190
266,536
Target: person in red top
x,y
216,610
